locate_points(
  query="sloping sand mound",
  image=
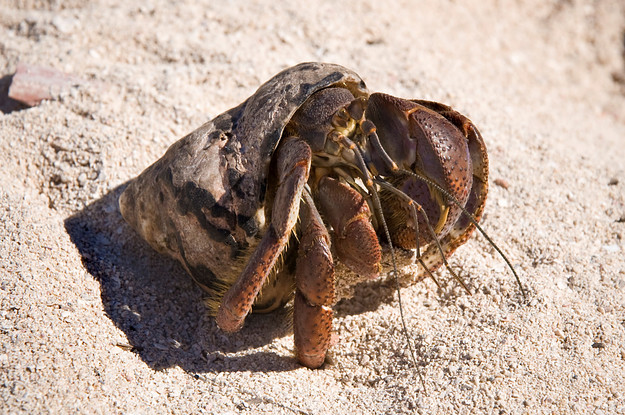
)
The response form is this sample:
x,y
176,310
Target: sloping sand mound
x,y
93,321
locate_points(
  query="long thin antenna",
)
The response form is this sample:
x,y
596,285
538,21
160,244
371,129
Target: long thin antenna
x,y
378,207
472,219
412,204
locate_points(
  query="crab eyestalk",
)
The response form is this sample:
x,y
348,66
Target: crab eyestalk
x,y
420,140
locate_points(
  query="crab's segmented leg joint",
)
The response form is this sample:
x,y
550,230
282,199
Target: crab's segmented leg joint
x,y
293,163
355,239
314,276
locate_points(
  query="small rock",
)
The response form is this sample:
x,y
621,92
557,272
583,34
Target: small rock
x,y
82,179
364,360
32,84
502,183
64,24
611,249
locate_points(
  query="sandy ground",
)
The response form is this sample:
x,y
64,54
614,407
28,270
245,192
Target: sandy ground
x,y
93,321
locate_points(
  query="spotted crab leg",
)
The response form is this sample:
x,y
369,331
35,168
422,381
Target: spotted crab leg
x,y
293,166
356,245
314,297
355,239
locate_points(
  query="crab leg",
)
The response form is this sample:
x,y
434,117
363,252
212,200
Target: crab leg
x,y
357,246
314,276
293,164
348,213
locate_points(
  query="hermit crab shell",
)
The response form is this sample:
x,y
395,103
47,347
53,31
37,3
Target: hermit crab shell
x,y
203,202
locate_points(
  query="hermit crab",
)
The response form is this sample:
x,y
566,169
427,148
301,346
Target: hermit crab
x,y
260,204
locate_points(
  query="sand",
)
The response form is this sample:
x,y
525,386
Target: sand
x,y
93,321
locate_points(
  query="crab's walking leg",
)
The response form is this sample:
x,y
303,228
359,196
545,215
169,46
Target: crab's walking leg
x,y
314,275
293,166
356,244
355,239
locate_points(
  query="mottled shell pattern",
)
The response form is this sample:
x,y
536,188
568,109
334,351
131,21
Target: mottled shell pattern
x,y
203,202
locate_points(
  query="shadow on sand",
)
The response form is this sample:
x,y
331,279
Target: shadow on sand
x,y
8,105
161,311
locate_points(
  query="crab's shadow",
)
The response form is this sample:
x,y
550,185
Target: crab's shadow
x,y
162,313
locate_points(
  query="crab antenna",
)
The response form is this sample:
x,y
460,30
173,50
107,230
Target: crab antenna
x,y
412,203
368,128
473,221
378,208
418,258
415,219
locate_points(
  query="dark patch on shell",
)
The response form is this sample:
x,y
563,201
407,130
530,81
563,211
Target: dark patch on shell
x,y
207,190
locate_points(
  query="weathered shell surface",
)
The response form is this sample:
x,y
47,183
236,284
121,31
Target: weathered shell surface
x,y
202,202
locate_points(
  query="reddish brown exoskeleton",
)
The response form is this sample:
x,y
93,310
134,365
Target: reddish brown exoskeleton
x,y
259,203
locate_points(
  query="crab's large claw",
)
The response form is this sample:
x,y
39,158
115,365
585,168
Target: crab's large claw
x,y
431,140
